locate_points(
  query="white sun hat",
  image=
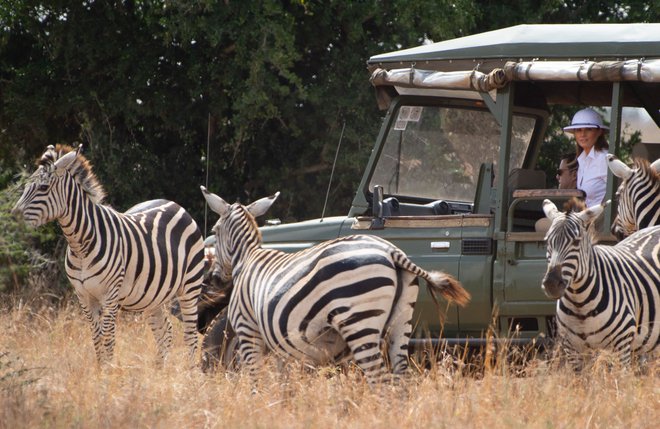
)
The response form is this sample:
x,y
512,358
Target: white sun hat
x,y
586,118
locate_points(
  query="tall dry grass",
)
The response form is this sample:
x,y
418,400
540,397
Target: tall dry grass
x,y
49,378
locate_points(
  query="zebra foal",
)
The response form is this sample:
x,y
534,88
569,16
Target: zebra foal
x,y
138,261
608,297
638,195
332,302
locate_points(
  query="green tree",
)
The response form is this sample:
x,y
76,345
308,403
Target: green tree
x,y
140,83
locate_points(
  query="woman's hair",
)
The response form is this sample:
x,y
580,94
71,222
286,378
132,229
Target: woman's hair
x,y
601,144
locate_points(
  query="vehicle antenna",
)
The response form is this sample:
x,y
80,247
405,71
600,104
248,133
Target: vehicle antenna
x,y
206,184
332,172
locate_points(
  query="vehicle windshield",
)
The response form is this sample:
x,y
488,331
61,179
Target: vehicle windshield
x,y
435,152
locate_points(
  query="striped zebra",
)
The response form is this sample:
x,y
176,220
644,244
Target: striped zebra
x,y
638,195
327,304
139,260
608,296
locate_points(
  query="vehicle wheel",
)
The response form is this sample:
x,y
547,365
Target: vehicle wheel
x,y
220,345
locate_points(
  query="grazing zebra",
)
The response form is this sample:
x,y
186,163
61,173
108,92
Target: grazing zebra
x,y
329,303
139,260
608,296
638,196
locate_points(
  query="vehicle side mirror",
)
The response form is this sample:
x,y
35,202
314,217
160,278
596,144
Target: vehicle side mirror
x,y
378,222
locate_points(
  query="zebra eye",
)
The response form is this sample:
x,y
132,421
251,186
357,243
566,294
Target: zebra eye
x,y
42,188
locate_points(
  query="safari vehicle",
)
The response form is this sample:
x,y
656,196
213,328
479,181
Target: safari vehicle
x,y
453,180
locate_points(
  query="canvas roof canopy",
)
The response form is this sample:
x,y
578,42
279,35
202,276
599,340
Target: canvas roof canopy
x,y
528,42
563,63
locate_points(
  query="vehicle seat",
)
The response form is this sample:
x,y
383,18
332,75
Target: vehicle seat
x,y
483,200
526,212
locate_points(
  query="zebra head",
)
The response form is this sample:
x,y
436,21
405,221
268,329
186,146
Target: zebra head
x,y
39,203
637,183
235,230
568,241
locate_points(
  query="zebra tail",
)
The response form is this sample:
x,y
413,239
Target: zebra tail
x,y
447,286
437,282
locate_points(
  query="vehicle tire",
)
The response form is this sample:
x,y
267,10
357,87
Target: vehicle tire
x,y
220,345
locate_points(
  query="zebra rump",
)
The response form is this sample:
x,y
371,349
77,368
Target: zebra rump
x,y
638,195
608,296
139,260
329,303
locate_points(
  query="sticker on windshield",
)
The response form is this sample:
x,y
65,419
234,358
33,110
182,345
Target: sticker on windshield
x,y
407,114
400,125
410,113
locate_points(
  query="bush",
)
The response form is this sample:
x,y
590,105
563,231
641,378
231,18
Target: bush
x,y
30,258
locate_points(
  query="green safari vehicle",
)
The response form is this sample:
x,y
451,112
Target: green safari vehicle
x,y
453,180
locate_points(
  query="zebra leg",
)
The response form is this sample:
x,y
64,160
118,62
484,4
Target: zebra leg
x,y
400,326
623,350
188,306
363,333
252,350
109,328
565,353
93,314
162,329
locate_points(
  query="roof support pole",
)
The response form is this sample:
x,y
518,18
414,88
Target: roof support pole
x,y
615,142
503,113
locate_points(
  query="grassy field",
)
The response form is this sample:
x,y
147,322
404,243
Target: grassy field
x,y
49,378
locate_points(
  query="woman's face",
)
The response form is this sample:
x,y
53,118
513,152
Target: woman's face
x,y
586,138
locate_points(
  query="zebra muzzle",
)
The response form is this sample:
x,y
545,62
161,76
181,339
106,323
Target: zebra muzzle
x,y
17,212
553,283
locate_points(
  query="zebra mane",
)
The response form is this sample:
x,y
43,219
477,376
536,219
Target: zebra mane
x,y
80,169
574,205
644,166
571,209
247,217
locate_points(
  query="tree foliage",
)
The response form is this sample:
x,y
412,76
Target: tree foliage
x,y
145,85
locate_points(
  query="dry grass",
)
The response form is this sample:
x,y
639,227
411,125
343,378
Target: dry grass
x,y
49,378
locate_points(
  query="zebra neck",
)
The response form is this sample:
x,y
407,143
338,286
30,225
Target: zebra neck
x,y
242,250
81,223
647,210
584,270
244,244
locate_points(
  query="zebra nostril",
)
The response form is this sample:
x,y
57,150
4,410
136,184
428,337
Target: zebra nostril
x,y
553,284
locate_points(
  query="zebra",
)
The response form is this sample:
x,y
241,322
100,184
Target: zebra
x,y
608,297
638,195
138,261
330,303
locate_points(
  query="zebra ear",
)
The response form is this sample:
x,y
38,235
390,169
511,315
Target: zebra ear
x,y
261,206
656,165
550,209
217,204
590,214
619,169
66,161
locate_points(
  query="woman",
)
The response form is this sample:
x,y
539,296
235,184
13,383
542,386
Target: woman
x,y
591,147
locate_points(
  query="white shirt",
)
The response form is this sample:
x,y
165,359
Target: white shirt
x,y
592,175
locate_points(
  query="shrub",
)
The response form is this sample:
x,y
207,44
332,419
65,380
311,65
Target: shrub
x,y
30,258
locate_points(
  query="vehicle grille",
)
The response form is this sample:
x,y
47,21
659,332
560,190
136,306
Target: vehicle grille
x,y
477,246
